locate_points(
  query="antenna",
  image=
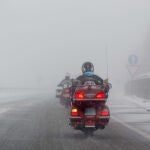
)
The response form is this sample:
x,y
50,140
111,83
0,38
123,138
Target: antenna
x,y
106,53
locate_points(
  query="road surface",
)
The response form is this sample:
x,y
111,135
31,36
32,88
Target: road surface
x,y
39,122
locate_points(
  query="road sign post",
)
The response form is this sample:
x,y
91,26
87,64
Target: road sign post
x,y
132,66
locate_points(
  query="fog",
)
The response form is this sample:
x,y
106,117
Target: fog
x,y
42,40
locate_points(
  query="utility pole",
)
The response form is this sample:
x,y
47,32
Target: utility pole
x,y
106,55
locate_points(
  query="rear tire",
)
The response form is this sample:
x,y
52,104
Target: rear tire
x,y
89,132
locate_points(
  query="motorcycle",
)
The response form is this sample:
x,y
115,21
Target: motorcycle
x,y
65,95
59,91
89,111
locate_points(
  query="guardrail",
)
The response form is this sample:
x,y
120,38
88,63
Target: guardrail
x,y
139,87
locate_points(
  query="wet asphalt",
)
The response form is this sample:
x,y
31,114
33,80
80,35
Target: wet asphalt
x,y
40,122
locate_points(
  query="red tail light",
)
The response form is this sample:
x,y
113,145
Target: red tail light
x,y
67,91
105,113
79,95
74,112
100,95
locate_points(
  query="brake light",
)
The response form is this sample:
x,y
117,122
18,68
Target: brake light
x,y
74,112
79,95
67,91
100,95
104,113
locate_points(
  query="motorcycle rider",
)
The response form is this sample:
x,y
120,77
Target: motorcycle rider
x,y
80,92
67,80
88,75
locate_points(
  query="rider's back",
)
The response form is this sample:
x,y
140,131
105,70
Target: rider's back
x,y
83,78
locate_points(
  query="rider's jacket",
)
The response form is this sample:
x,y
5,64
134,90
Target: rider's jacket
x,y
95,78
98,80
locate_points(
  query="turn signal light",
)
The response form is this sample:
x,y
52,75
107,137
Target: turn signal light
x,y
100,96
74,112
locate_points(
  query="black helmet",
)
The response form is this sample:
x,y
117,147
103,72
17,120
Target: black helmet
x,y
87,67
67,76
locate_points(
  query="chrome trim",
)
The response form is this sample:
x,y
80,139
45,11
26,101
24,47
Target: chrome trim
x,y
90,99
74,117
90,126
104,117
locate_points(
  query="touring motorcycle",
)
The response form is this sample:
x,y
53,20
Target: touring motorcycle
x,y
65,95
59,91
89,111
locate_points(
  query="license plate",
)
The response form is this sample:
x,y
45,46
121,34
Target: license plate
x,y
90,95
66,95
90,112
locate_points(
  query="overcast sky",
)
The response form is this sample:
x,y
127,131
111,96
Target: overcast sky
x,y
41,40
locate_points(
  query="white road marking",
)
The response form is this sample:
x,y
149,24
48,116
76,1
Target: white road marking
x,y
132,128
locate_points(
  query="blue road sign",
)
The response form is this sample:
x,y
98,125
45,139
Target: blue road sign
x,y
133,59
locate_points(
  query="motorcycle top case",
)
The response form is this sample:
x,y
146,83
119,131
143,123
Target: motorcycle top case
x,y
92,95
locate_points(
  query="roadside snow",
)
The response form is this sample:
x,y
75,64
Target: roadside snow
x,y
132,112
7,95
143,103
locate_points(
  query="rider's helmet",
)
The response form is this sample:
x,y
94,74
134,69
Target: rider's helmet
x,y
87,67
67,76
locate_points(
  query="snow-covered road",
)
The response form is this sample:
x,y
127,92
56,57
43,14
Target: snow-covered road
x,y
11,96
132,112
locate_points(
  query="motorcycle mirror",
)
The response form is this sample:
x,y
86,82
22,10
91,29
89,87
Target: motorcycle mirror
x,y
106,80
